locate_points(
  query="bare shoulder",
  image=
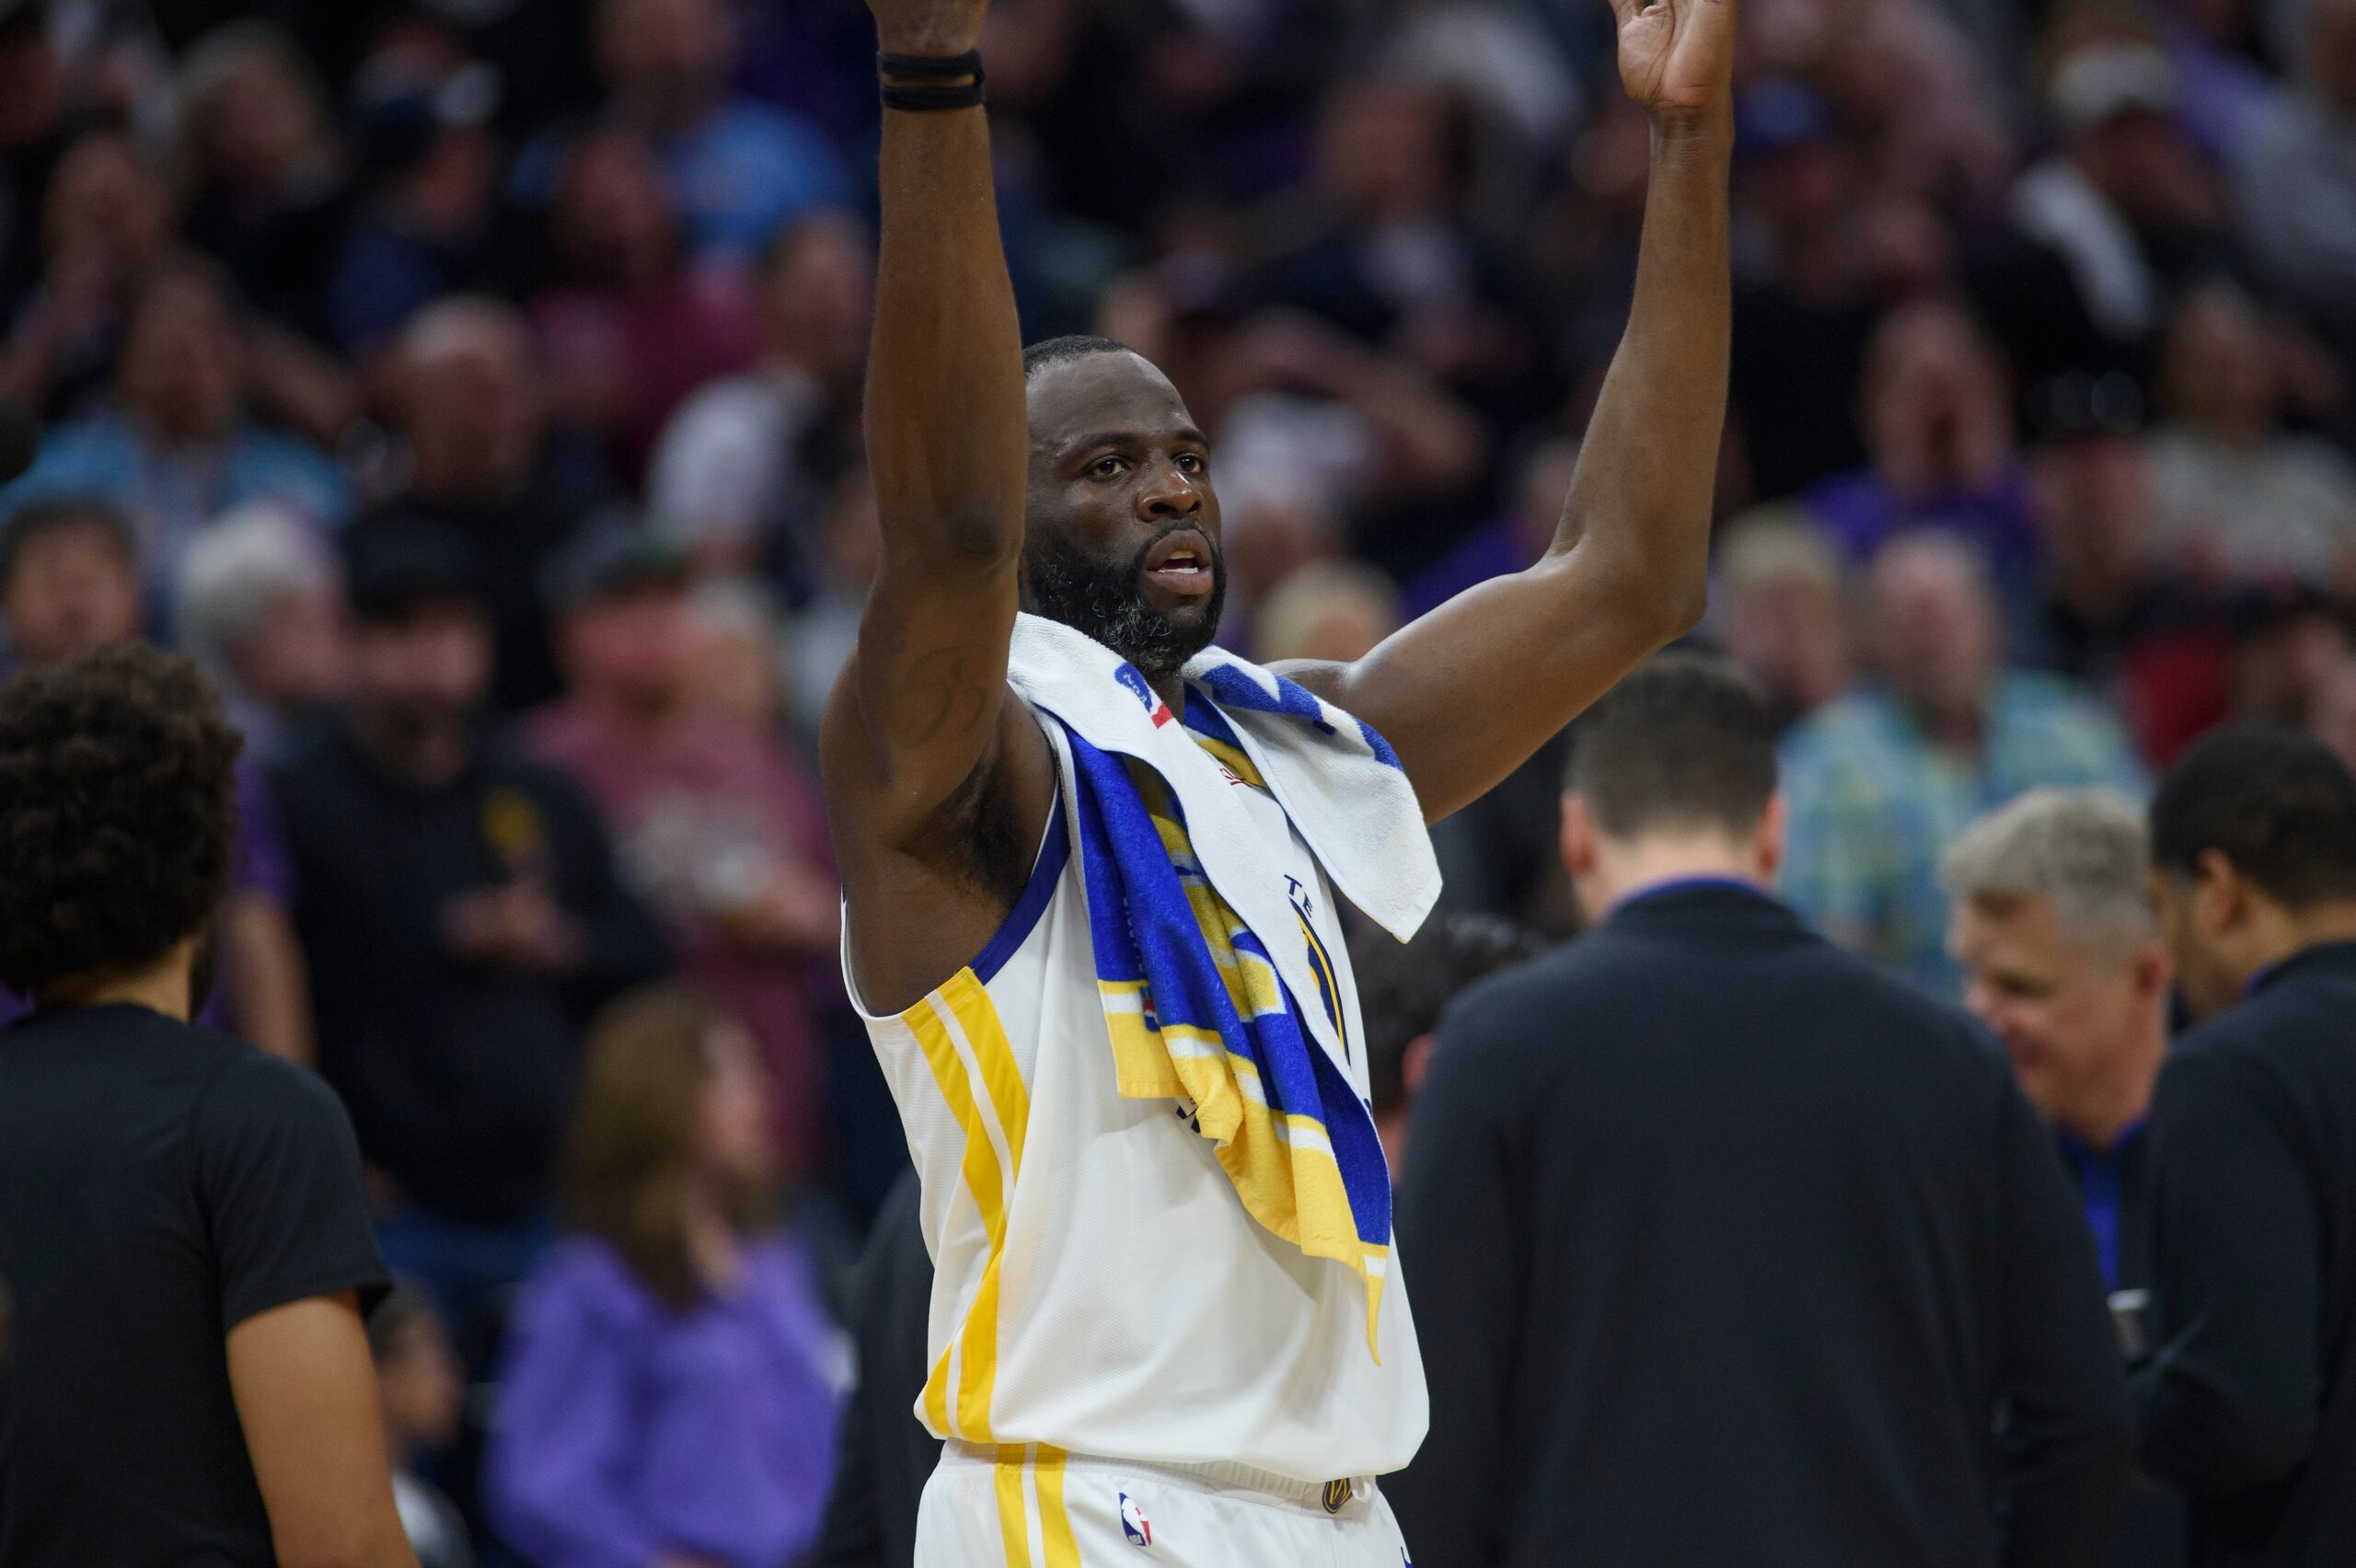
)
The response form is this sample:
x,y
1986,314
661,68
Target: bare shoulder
x,y
921,899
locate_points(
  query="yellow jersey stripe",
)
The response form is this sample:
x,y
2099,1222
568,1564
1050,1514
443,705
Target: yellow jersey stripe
x,y
978,1370
1014,1523
978,1016
1055,1519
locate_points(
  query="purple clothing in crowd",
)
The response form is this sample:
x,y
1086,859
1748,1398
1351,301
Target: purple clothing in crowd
x,y
1862,513
627,1432
257,864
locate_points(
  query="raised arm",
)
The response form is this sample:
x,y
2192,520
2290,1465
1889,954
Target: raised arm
x,y
1470,691
918,709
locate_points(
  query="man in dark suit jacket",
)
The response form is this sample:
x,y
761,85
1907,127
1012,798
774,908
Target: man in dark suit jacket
x,y
884,1456
2249,1406
1729,1247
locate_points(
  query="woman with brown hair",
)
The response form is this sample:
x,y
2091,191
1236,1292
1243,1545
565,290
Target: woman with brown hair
x,y
666,1397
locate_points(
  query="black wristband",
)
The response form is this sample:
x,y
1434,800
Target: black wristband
x,y
932,70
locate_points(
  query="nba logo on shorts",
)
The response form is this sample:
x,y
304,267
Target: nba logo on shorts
x,y
1133,1522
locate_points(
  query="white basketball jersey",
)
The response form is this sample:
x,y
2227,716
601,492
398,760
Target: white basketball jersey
x,y
1098,1286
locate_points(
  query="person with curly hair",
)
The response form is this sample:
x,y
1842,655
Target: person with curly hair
x,y
182,1222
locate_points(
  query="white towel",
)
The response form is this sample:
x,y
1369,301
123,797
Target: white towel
x,y
1338,782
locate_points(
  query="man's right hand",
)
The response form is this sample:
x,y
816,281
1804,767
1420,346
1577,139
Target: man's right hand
x,y
927,27
919,742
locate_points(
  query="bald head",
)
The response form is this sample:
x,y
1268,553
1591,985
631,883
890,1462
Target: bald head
x,y
1933,614
471,398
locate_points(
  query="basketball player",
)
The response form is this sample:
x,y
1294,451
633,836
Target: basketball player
x,y
1126,1352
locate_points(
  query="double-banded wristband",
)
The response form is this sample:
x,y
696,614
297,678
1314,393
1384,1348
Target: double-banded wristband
x,y
932,75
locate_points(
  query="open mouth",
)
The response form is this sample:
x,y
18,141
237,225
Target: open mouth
x,y
1180,562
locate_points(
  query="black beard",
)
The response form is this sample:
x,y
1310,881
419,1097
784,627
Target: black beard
x,y
1106,600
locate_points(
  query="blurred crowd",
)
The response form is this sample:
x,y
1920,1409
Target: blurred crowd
x,y
472,387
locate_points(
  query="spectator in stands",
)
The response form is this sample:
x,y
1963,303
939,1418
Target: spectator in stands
x,y
2237,496
105,227
267,197
260,607
670,1390
421,1390
1805,311
737,682
462,917
1512,542
1392,258
430,164
718,828
1880,782
1937,418
178,446
2125,205
2114,613
627,331
819,636
473,407
1713,1240
1785,603
2297,184
1403,990
2061,957
2247,1405
745,467
738,169
68,586
1328,610
34,131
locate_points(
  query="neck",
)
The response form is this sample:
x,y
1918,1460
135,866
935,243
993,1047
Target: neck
x,y
2114,1107
2293,931
712,1241
163,986
1624,870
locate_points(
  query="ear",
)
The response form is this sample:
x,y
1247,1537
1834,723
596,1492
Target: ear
x,y
1767,839
2152,969
1416,1063
1578,837
2220,899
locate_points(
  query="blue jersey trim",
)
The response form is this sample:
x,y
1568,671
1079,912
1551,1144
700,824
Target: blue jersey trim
x,y
1025,916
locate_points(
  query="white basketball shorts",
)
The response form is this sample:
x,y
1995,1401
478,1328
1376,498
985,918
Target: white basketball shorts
x,y
1038,1507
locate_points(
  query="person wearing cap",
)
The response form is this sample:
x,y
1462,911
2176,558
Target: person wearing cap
x,y
2124,206
719,828
425,147
462,917
2113,612
2296,185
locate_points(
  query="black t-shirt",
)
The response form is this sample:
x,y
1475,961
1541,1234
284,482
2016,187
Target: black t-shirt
x,y
159,1185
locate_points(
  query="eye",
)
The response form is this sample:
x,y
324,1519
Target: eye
x,y
1106,468
1190,462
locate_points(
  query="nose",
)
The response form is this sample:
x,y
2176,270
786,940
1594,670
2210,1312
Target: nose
x,y
1169,494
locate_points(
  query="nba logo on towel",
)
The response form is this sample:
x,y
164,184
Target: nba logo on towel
x,y
1133,1522
1128,677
